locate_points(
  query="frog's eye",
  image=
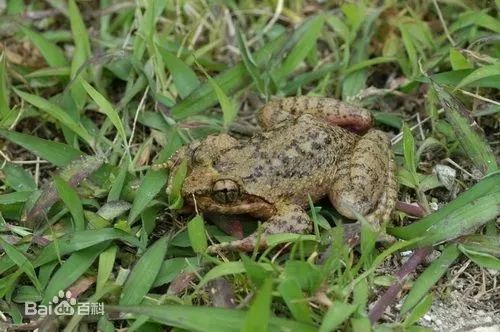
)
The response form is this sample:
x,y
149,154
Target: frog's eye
x,y
225,191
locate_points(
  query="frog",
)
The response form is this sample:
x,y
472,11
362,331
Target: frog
x,y
308,148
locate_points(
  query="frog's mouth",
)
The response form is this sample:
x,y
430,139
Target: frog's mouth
x,y
245,204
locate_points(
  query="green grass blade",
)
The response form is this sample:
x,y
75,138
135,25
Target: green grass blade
x,y
184,77
468,211
469,134
197,235
50,52
81,52
479,74
70,198
106,263
76,241
257,317
150,186
21,261
4,91
292,295
419,310
58,154
250,65
17,178
118,183
430,276
59,114
311,32
338,313
106,108
230,81
207,319
76,265
144,273
482,259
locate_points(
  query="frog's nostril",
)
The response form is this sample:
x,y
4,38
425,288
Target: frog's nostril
x,y
225,191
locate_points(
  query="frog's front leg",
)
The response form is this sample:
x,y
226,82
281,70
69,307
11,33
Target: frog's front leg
x,y
365,180
331,110
289,219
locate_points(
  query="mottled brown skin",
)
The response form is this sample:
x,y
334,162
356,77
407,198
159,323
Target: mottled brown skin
x,y
301,151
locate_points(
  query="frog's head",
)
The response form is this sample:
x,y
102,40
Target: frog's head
x,y
210,190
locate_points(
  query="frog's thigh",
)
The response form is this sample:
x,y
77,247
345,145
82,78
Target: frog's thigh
x,y
290,219
365,180
333,111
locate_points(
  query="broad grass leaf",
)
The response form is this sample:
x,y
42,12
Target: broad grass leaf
x,y
338,313
230,81
74,174
172,267
207,319
197,234
311,31
250,65
338,26
419,310
469,134
118,183
255,272
21,261
291,293
411,51
479,74
150,186
4,91
72,269
105,107
409,154
482,243
52,54
257,317
15,197
144,273
106,263
17,178
58,154
489,186
70,198
59,114
81,52
50,72
368,63
175,200
458,61
77,241
475,17
482,259
229,110
184,77
358,51
430,276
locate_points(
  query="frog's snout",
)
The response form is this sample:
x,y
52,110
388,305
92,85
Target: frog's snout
x,y
225,191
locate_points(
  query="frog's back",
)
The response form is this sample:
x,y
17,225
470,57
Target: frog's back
x,y
288,162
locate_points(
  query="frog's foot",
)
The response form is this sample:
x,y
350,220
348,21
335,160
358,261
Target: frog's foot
x,y
365,180
333,111
290,219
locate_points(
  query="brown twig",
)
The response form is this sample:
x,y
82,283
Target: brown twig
x,y
390,294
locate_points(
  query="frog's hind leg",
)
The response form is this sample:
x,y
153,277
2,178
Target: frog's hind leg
x,y
331,110
289,219
365,180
